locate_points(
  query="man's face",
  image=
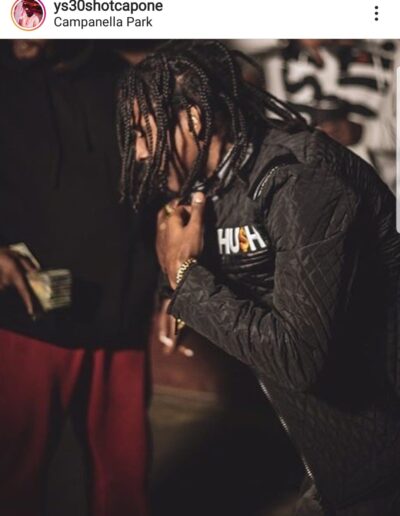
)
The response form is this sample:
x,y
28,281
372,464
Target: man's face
x,y
181,142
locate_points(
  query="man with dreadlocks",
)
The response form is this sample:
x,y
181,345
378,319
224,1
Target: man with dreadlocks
x,y
281,249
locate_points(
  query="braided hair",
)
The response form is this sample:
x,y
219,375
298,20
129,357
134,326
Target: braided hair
x,y
182,74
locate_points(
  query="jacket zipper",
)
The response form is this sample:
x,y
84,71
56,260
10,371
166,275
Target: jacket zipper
x,y
271,168
265,181
307,468
285,426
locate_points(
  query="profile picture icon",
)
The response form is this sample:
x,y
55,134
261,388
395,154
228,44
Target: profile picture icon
x,y
28,14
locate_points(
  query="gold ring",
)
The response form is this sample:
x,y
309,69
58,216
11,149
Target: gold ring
x,y
168,210
180,324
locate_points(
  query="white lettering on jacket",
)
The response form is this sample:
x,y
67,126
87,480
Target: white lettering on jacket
x,y
240,239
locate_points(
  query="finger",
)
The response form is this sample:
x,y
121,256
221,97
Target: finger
x,y
167,342
20,285
161,216
197,212
24,261
167,210
163,330
164,220
187,352
170,337
27,264
162,325
172,328
170,207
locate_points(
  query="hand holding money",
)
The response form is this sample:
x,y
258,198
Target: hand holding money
x,y
43,290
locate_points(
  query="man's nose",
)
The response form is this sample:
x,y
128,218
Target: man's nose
x,y
142,151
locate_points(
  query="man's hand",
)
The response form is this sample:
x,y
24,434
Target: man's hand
x,y
13,268
167,334
180,235
166,328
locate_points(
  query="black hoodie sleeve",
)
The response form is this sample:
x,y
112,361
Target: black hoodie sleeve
x,y
310,221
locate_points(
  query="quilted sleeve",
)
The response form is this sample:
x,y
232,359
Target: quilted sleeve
x,y
310,224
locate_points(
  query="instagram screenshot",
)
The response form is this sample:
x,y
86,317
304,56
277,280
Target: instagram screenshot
x,y
199,258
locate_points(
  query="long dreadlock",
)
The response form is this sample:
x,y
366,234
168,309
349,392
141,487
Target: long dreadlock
x,y
205,74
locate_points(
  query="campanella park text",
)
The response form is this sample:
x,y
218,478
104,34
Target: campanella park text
x,y
112,21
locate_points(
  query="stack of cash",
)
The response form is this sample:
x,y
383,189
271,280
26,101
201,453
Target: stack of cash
x,y
52,287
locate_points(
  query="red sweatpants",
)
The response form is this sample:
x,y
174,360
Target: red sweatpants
x,y
104,393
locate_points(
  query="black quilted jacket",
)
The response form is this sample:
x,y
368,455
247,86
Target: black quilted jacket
x,y
300,280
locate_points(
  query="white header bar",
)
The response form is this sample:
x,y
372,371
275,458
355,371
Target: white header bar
x,y
226,19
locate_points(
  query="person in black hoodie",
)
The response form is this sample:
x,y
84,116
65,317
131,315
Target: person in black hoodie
x,y
282,250
59,168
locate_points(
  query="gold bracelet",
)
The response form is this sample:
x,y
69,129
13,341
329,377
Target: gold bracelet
x,y
183,268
